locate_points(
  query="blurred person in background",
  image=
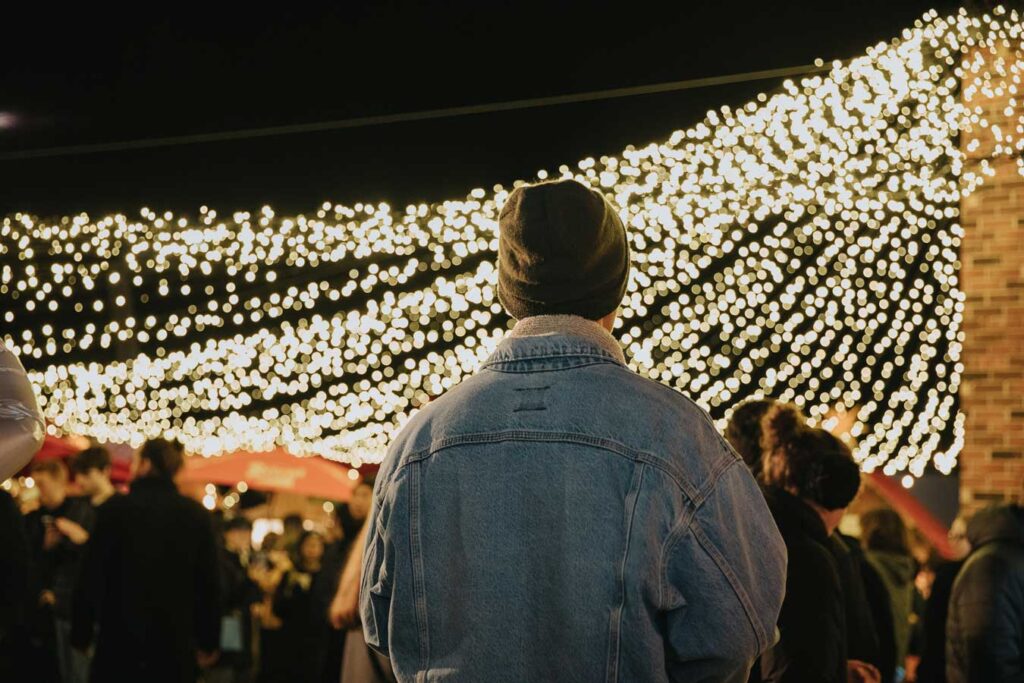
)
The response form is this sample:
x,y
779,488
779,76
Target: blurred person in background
x,y
15,601
985,631
878,604
293,529
271,564
743,432
271,541
150,580
349,520
91,470
887,544
933,660
21,436
360,663
92,475
810,478
303,627
57,531
238,594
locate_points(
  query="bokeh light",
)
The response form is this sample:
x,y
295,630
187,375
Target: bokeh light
x,y
802,246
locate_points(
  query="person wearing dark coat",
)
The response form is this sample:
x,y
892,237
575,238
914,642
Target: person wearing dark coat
x,y
933,660
350,518
861,633
745,435
303,621
932,668
887,546
14,590
150,580
238,594
57,534
985,628
876,597
810,478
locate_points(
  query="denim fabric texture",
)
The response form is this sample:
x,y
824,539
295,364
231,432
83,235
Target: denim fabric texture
x,y
557,517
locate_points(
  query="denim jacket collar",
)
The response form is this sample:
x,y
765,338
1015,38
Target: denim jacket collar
x,y
557,335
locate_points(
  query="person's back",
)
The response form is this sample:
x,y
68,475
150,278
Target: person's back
x,y
559,518
810,478
985,628
150,581
887,548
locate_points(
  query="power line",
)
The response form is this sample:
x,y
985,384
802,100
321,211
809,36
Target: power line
x,y
425,115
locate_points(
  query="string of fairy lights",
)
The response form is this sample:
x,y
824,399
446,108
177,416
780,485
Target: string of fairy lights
x,y
803,246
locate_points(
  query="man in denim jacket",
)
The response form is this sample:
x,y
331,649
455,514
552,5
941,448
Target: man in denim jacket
x,y
557,517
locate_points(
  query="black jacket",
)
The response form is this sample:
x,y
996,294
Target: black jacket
x,y
238,594
57,569
880,606
932,668
985,630
861,632
14,566
150,580
812,648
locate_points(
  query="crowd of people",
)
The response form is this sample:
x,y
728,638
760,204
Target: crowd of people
x,y
555,517
151,586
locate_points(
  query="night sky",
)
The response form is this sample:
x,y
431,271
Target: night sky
x,y
77,75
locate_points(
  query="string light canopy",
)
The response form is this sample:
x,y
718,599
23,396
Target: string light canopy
x,y
803,246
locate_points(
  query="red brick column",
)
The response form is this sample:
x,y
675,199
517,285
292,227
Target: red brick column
x,y
992,277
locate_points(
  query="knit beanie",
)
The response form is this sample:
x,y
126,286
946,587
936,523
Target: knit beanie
x,y
562,250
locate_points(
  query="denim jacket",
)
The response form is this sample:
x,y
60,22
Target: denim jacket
x,y
557,517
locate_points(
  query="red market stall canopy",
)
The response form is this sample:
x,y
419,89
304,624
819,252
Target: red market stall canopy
x,y
66,449
905,503
55,448
275,470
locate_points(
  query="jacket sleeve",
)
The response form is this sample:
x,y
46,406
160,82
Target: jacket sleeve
x,y
207,608
723,582
378,567
21,424
985,622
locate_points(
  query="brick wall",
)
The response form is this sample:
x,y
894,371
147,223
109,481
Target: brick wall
x,y
992,277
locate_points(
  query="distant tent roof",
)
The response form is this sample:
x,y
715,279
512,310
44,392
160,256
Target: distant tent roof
x,y
275,470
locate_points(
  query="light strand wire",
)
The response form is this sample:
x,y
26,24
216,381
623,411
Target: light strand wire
x,y
409,117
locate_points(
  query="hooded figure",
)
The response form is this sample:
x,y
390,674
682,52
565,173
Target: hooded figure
x,y
887,543
985,631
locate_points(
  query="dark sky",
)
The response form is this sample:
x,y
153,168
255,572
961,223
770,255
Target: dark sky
x,y
78,75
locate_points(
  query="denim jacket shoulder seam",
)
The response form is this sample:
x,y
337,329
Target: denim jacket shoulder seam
x,y
683,524
703,413
389,481
723,566
692,523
